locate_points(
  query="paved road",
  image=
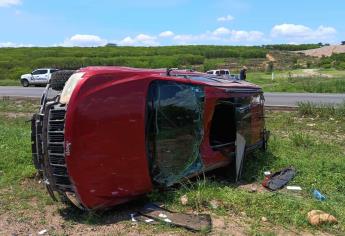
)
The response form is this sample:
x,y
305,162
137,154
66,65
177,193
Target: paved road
x,y
272,99
291,99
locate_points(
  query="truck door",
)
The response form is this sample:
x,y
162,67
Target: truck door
x,y
40,76
249,128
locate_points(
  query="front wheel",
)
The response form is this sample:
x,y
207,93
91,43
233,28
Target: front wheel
x,y
25,83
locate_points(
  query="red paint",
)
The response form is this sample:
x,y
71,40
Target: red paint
x,y
105,126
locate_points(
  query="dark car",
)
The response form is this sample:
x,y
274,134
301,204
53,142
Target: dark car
x,y
115,133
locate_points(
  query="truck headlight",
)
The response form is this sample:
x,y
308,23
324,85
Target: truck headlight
x,y
70,86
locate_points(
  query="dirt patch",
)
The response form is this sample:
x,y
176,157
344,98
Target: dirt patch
x,y
252,187
326,51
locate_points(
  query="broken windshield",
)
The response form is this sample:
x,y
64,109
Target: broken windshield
x,y
175,130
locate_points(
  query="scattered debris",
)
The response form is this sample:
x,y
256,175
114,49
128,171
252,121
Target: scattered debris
x,y
279,179
252,187
264,219
319,196
162,215
214,204
42,232
184,200
132,217
297,188
200,222
317,217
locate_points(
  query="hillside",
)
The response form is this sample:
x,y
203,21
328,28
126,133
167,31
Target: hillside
x,y
326,51
17,61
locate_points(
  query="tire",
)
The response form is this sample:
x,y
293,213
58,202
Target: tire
x,y
58,79
25,83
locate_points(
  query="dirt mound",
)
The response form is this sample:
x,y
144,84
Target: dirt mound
x,y
326,51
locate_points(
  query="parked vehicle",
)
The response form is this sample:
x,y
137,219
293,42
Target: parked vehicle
x,y
219,72
115,133
37,77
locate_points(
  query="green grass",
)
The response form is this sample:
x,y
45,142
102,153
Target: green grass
x,y
310,140
9,82
281,83
313,145
322,110
19,106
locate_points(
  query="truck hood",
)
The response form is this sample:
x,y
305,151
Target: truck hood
x,y
25,76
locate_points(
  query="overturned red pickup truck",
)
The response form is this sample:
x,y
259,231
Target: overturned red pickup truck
x,y
114,133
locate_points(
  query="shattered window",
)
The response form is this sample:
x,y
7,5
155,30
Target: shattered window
x,y
175,130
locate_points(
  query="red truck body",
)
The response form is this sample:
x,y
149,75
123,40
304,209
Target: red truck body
x,y
107,149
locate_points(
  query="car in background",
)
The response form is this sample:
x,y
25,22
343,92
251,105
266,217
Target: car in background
x,y
219,72
37,77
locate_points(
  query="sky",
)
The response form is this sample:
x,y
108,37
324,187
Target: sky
x,y
169,22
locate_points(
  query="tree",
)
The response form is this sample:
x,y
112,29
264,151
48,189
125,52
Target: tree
x,y
342,42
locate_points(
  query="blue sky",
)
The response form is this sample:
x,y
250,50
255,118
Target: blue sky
x,y
174,22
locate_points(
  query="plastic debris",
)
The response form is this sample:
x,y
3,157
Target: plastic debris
x,y
297,188
266,173
317,217
184,200
317,195
42,232
132,217
214,204
162,215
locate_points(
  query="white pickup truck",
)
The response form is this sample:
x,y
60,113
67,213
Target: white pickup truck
x,y
37,77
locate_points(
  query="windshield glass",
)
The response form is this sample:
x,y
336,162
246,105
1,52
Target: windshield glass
x,y
175,113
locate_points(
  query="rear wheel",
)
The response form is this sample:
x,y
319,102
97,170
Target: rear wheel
x,y
25,83
58,79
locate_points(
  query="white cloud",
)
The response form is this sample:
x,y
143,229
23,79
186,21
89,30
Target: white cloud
x,y
8,3
166,34
85,40
14,45
302,32
221,31
139,40
221,35
249,36
225,18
